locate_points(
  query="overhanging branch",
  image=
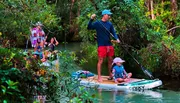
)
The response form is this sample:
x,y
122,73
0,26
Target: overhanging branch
x,y
173,28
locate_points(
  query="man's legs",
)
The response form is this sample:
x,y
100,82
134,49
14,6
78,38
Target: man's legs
x,y
99,64
110,59
101,55
110,55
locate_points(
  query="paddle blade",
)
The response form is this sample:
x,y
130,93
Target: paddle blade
x,y
146,72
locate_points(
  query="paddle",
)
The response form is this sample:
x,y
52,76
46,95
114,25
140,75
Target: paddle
x,y
146,72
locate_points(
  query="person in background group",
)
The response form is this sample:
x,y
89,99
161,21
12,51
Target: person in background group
x,y
38,35
38,50
52,44
105,48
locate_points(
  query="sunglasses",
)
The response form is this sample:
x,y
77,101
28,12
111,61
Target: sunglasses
x,y
108,14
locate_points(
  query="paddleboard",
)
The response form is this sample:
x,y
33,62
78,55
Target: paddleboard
x,y
133,84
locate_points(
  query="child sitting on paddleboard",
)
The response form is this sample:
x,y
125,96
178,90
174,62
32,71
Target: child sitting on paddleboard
x,y
118,71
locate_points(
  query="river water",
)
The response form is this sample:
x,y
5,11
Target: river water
x,y
148,96
168,93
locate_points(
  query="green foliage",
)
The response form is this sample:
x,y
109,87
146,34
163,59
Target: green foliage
x,y
30,79
10,59
162,57
82,61
163,54
63,88
149,59
19,16
89,50
10,89
83,96
176,43
20,84
15,81
147,39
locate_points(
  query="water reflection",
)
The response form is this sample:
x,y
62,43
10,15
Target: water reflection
x,y
147,96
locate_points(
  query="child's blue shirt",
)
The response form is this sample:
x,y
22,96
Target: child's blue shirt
x,y
119,70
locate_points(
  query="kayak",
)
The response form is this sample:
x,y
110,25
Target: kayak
x,y
133,84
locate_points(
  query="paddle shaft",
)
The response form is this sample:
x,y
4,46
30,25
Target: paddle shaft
x,y
118,43
143,69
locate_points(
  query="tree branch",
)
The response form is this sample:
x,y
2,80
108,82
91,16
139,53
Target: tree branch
x,y
173,28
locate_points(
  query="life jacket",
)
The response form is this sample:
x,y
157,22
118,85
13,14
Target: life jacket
x,y
119,71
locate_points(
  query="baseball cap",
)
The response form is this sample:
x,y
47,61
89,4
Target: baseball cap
x,y
108,12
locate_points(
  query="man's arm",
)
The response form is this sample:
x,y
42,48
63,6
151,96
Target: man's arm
x,y
112,30
91,24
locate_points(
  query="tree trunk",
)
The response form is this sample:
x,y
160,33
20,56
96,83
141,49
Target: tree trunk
x,y
152,10
149,5
174,8
71,14
74,27
79,10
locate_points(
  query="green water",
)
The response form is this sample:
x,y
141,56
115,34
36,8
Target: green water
x,y
150,96
75,46
165,94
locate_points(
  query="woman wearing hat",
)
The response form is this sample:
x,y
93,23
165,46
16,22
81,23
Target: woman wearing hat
x,y
118,71
37,35
105,48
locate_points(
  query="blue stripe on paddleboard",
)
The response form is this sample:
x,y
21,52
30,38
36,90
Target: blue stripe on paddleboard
x,y
142,82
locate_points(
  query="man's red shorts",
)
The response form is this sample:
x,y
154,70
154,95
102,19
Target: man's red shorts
x,y
105,51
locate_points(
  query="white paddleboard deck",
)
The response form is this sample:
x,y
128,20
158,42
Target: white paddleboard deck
x,y
133,84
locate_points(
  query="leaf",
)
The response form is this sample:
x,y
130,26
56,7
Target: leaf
x,y
3,89
4,101
10,93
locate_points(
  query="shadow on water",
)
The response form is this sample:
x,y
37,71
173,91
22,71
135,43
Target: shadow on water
x,y
168,93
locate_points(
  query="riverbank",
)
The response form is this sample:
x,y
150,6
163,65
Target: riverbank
x,y
172,84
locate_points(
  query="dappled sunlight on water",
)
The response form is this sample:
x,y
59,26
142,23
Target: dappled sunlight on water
x,y
149,96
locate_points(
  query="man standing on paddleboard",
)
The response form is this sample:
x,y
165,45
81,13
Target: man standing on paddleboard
x,y
104,30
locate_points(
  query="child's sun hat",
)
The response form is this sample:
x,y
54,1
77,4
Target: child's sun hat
x,y
118,59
